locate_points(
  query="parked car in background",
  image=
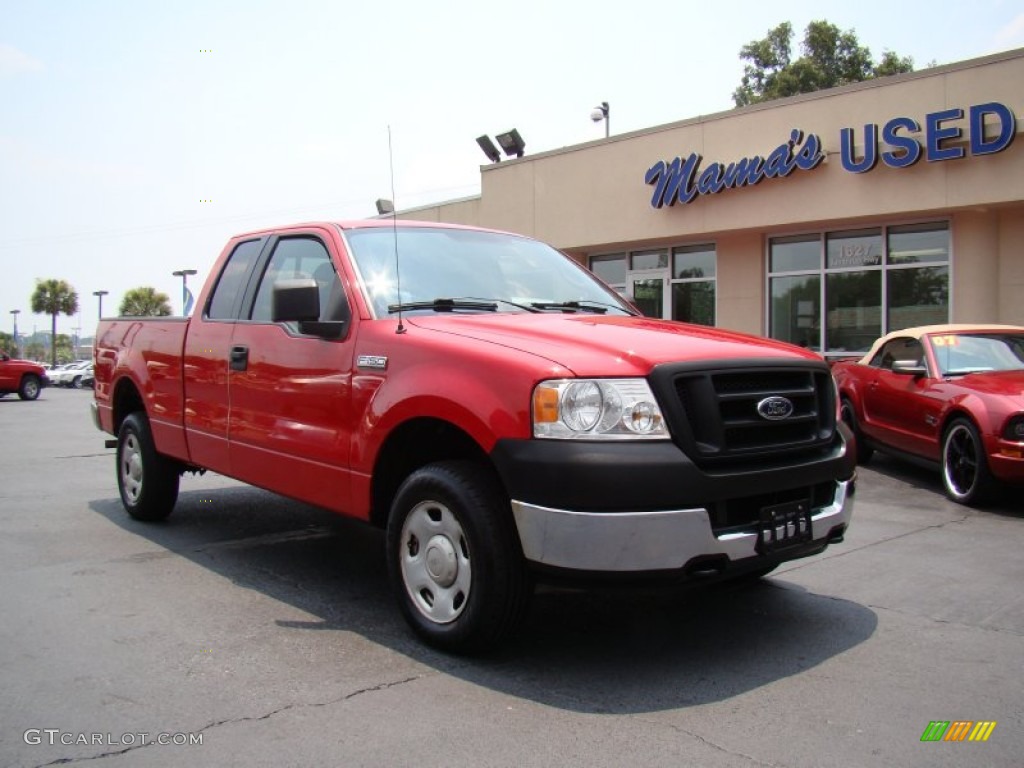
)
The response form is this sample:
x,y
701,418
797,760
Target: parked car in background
x,y
72,374
951,396
21,376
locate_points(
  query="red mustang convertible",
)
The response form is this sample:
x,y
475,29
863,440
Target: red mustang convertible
x,y
950,396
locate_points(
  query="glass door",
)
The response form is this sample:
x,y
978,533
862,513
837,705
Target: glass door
x,y
650,292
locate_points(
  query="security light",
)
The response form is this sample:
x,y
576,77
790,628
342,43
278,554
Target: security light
x,y
512,143
489,149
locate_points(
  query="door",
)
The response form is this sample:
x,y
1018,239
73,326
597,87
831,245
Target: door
x,y
290,420
650,292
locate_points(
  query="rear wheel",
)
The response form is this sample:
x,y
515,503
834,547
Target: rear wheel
x,y
454,557
77,382
148,482
849,416
30,387
965,475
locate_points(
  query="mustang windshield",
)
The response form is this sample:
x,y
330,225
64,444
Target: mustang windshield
x,y
454,269
961,353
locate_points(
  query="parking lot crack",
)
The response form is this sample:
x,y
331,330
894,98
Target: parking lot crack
x,y
718,747
247,719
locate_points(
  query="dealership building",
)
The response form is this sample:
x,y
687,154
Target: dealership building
x,y
824,219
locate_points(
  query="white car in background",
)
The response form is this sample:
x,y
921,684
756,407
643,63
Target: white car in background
x,y
70,375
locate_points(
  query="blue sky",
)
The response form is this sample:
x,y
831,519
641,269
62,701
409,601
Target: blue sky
x,y
115,121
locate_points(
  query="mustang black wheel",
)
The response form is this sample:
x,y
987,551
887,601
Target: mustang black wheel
x,y
148,482
965,475
454,557
849,416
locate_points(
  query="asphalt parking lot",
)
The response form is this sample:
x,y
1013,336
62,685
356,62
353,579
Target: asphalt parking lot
x,y
265,629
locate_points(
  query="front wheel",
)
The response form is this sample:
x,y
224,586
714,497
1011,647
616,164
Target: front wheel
x,y
454,557
965,475
30,387
148,482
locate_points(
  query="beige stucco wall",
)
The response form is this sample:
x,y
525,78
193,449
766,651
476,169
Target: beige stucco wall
x,y
1011,267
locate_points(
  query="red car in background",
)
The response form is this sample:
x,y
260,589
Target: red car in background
x,y
21,376
951,396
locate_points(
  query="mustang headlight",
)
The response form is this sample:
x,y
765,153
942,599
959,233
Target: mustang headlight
x,y
1014,429
597,409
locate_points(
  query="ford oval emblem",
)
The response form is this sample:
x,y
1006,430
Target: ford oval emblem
x,y
775,408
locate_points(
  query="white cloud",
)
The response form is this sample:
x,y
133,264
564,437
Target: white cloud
x,y
13,61
1011,35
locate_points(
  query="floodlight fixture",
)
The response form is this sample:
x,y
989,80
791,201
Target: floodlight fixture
x,y
602,112
489,149
512,143
385,206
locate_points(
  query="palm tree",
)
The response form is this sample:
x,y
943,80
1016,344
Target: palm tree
x,y
145,301
54,297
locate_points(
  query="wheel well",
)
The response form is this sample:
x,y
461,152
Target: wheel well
x,y
126,400
950,417
413,445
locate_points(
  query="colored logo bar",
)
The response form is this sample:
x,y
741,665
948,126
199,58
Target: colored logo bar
x,y
958,730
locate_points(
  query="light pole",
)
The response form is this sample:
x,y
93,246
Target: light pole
x,y
602,112
183,274
100,295
15,313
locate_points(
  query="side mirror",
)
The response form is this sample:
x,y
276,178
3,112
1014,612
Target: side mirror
x,y
909,368
299,301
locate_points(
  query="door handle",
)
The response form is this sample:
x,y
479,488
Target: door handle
x,y
239,358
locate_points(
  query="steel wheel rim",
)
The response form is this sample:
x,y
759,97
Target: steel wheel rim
x,y
131,468
31,388
960,465
435,564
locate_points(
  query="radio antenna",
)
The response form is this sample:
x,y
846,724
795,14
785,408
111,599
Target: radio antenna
x,y
394,231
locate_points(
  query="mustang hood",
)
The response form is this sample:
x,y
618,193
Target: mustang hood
x,y
1009,384
591,345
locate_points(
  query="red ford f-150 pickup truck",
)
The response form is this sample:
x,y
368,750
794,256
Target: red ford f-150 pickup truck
x,y
494,407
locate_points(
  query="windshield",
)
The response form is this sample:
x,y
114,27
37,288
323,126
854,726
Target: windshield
x,y
515,273
961,353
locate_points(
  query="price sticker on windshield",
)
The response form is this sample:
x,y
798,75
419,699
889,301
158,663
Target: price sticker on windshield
x,y
945,341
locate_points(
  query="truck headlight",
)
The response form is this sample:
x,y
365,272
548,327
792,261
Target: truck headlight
x,y
597,409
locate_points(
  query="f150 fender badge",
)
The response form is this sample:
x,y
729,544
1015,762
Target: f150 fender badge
x,y
377,362
775,408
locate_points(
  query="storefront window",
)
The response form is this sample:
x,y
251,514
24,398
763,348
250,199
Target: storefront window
x,y
693,284
611,268
796,310
862,248
919,243
854,317
649,260
795,254
872,281
918,297
648,296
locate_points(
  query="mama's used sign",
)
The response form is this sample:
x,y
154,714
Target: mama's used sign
x,y
682,180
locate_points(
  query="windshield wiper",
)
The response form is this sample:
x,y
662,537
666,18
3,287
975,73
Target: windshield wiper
x,y
444,305
574,306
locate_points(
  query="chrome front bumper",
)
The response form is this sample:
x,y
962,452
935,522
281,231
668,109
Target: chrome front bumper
x,y
646,541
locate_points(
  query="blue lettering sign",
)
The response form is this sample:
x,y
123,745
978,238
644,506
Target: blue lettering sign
x,y
1008,127
911,149
846,149
935,134
681,180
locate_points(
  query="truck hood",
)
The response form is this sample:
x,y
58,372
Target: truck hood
x,y
595,345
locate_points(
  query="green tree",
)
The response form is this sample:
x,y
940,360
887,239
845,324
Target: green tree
x,y
831,57
34,351
54,297
145,301
7,344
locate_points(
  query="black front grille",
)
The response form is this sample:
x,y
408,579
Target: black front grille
x,y
727,414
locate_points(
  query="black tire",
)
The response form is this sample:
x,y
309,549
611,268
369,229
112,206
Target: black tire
x,y
30,387
466,587
849,416
147,481
965,475
76,383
